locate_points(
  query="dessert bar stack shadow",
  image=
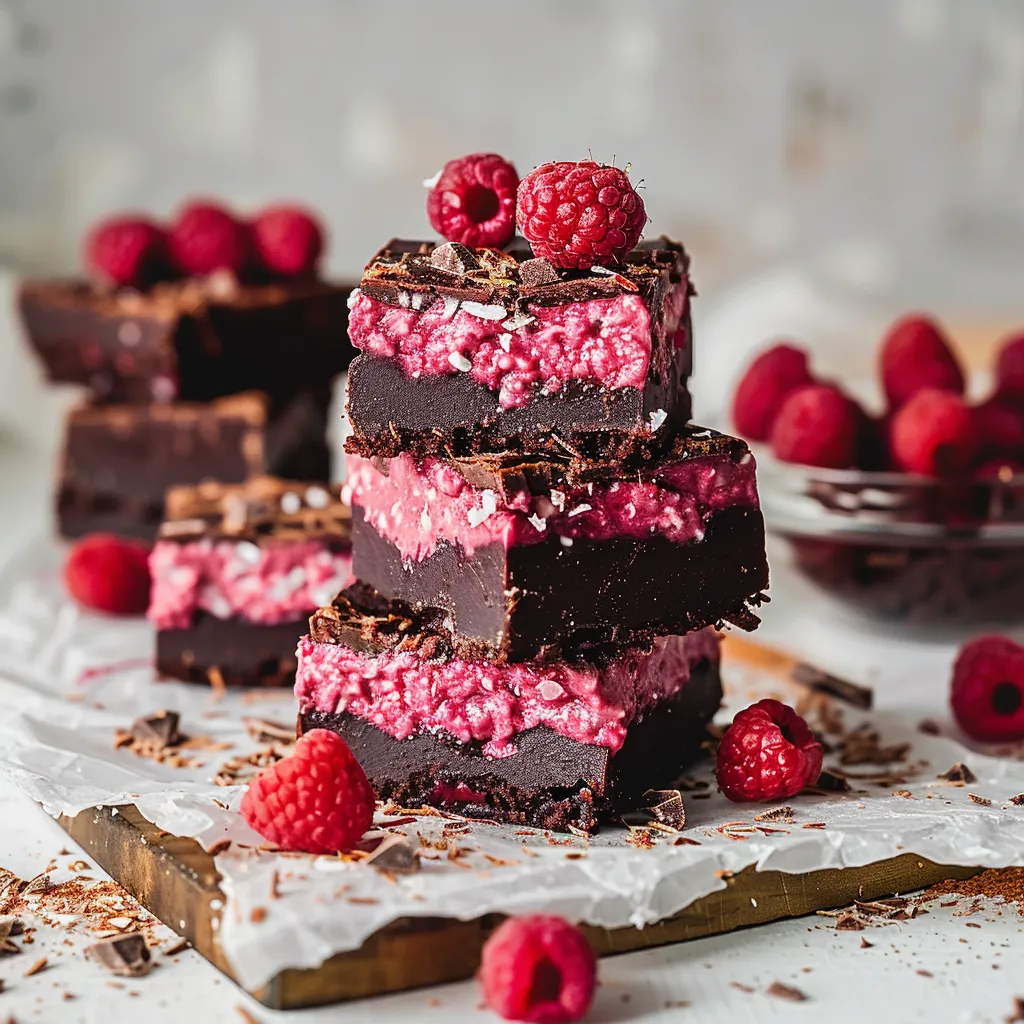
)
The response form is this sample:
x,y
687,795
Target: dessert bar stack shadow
x,y
189,375
542,545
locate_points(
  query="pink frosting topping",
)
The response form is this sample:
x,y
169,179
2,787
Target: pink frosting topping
x,y
260,583
477,701
604,340
418,506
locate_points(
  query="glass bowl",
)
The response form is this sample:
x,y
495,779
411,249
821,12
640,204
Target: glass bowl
x,y
904,549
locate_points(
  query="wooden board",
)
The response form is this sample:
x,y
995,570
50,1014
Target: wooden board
x,y
177,881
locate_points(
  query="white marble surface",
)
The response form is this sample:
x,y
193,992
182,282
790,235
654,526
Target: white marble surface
x,y
972,974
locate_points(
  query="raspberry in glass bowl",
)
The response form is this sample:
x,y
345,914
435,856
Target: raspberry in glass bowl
x,y
913,514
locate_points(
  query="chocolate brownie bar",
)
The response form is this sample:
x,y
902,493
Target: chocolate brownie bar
x,y
189,340
120,459
475,350
532,557
237,571
550,745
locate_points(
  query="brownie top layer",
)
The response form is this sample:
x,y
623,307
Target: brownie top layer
x,y
249,407
412,274
512,475
167,300
364,620
262,508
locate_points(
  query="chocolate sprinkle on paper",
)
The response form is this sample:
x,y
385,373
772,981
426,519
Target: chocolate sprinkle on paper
x,y
394,855
159,729
780,991
124,955
959,775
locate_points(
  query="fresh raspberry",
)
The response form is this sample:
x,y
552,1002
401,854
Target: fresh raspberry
x,y
109,574
767,753
206,237
817,426
999,427
580,214
1010,369
127,251
538,968
473,201
316,801
915,355
988,689
934,434
287,241
769,379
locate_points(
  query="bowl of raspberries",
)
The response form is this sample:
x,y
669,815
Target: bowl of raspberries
x,y
912,512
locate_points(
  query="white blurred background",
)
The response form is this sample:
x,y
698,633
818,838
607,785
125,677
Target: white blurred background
x,y
826,163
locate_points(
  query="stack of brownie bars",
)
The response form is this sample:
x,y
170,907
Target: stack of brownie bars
x,y
542,545
189,379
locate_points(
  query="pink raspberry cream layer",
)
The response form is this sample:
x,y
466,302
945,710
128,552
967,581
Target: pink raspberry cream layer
x,y
417,506
401,694
264,584
607,341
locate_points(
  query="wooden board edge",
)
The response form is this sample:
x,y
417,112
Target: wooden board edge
x,y
176,880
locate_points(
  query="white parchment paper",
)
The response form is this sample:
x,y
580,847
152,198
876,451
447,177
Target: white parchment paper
x,y
69,679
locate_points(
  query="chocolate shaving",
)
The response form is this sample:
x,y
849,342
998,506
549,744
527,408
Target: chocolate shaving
x,y
394,855
861,746
776,814
983,800
668,808
780,991
849,923
124,955
1018,800
455,258
264,731
159,729
36,968
864,944
959,775
833,686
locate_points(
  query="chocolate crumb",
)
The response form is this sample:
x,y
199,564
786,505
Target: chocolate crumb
x,y
394,855
959,775
39,965
983,800
264,731
743,988
455,258
1018,800
864,944
219,847
780,991
124,955
849,923
258,914
829,782
536,272
668,807
275,885
929,727
924,973
159,729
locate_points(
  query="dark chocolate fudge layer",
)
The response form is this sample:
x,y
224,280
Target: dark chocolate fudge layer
x,y
529,558
119,460
551,781
401,399
230,652
189,340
